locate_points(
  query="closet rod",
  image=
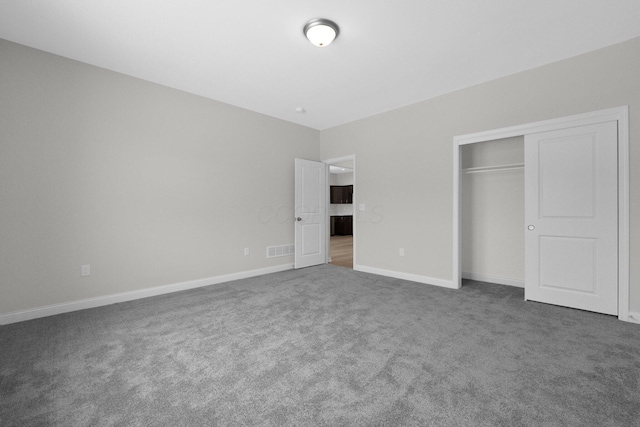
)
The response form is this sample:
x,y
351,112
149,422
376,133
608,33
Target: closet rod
x,y
500,168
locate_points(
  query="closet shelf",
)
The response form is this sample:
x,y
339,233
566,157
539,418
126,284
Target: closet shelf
x,y
499,168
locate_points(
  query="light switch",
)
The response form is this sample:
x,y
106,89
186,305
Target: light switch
x,y
361,206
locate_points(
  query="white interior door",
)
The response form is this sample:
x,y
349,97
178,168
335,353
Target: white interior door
x,y
311,213
571,214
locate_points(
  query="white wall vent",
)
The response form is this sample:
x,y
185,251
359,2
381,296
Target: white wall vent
x,y
282,250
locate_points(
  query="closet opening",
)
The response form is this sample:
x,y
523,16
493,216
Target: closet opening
x,y
603,129
492,212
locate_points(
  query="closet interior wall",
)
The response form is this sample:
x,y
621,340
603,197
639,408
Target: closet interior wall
x,y
492,214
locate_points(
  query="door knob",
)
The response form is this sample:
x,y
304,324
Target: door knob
x,y
298,219
531,228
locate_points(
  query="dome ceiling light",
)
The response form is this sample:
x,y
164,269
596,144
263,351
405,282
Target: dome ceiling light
x,y
321,32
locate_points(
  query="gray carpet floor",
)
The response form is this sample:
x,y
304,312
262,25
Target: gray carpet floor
x,y
323,346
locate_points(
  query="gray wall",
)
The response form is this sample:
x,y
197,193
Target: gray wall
x,y
405,165
149,185
153,186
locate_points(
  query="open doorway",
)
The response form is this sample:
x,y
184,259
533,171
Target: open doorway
x,y
341,212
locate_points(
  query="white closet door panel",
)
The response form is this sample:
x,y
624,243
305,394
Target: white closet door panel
x,y
571,211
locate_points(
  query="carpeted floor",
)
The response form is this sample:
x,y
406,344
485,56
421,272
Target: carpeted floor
x,y
323,346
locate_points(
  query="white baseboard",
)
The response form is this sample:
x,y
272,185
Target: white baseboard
x,y
493,279
50,310
406,276
633,317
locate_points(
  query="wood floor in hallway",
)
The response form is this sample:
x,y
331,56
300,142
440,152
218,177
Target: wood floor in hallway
x,y
342,251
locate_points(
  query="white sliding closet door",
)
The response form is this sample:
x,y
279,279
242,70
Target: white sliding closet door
x,y
571,211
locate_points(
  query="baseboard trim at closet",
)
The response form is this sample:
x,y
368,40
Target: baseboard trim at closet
x,y
493,279
633,317
406,276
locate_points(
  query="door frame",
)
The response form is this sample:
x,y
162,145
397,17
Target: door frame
x,y
619,114
333,161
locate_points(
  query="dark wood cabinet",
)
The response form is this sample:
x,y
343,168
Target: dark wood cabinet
x,y
342,225
341,194
336,194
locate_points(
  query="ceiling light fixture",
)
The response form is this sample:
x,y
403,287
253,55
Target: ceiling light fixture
x,y
321,32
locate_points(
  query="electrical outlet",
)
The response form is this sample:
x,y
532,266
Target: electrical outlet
x,y
85,270
246,251
401,252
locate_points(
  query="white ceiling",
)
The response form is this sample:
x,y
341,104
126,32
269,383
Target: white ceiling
x,y
252,53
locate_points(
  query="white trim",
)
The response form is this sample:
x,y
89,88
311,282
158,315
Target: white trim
x,y
633,317
518,283
456,277
593,117
619,114
340,159
624,279
351,157
406,276
50,310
